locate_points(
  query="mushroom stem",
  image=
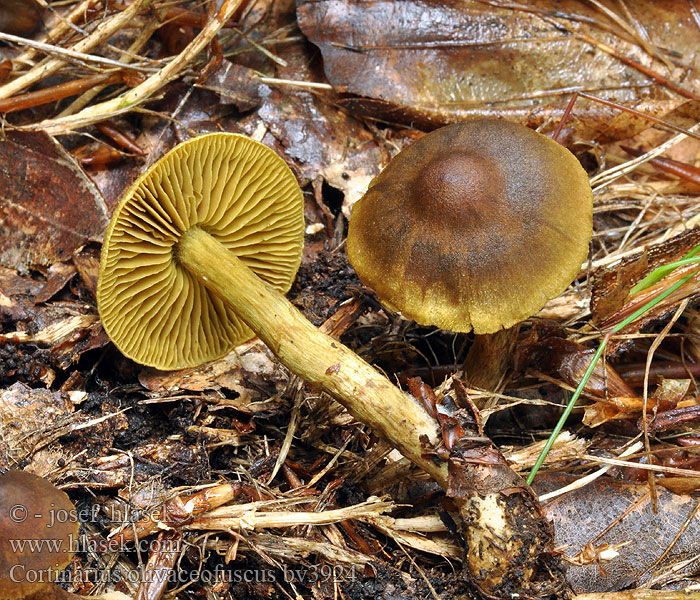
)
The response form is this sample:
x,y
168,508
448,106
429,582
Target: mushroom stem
x,y
312,355
489,358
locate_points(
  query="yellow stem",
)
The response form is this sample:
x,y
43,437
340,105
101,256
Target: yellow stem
x,y
312,355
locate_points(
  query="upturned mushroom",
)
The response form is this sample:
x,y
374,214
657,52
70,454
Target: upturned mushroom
x,y
196,260
475,226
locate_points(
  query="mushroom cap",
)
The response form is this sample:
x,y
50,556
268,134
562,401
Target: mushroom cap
x,y
474,226
35,513
239,191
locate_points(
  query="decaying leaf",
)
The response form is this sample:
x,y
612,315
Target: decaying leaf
x,y
323,141
48,206
648,543
237,85
250,359
316,136
569,360
614,286
150,458
30,420
444,61
611,284
17,295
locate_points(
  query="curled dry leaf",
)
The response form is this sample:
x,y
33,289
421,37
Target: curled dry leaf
x,y
569,360
611,284
229,372
48,206
445,61
667,396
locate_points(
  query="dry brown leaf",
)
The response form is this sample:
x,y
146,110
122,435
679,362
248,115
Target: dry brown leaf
x,y
318,138
668,394
48,206
445,61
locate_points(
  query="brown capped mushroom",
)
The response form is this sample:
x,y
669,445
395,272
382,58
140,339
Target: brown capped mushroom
x,y
475,226
38,536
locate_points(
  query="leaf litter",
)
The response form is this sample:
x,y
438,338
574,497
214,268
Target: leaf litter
x,y
261,474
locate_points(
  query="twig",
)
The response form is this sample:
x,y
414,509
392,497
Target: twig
x,y
145,90
254,520
72,55
85,99
607,177
64,24
590,478
297,83
58,92
103,32
646,467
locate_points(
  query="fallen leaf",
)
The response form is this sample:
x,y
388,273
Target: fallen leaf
x,y
443,61
316,136
29,419
248,370
569,360
612,512
237,85
48,206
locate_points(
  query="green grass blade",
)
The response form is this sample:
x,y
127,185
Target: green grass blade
x,y
589,371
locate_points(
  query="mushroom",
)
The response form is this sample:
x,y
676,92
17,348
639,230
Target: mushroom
x,y
38,536
219,186
475,226
206,242
185,259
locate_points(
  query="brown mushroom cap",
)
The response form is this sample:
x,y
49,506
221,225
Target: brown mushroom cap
x,y
234,188
35,513
474,226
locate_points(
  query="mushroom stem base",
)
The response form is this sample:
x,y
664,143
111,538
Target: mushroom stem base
x,y
312,355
